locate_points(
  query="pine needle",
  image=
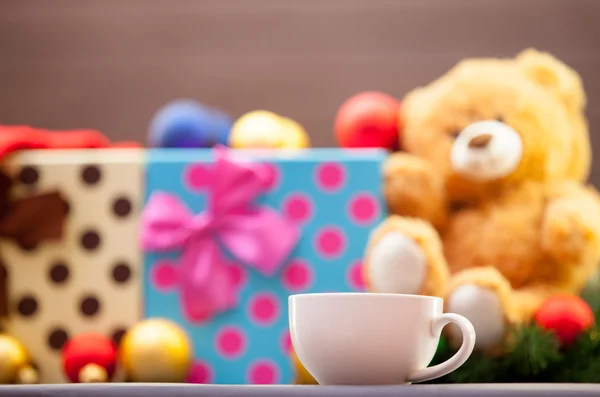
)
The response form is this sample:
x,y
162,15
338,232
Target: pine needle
x,y
536,356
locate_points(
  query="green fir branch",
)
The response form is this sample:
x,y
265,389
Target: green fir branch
x,y
535,356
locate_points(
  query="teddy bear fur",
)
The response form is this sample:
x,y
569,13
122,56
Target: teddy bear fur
x,y
493,244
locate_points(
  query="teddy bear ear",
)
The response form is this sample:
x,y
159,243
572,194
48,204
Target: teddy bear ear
x,y
553,75
413,109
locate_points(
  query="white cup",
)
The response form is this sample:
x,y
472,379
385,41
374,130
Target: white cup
x,y
373,339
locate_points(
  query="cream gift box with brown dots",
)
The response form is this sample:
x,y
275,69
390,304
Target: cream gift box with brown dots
x,y
90,278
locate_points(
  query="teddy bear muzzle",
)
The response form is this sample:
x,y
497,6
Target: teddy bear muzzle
x,y
486,150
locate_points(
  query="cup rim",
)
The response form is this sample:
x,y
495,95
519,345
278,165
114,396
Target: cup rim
x,y
366,295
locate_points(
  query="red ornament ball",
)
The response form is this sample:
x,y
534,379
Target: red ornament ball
x,y
565,315
369,119
90,348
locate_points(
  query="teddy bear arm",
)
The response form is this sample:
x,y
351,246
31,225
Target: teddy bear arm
x,y
571,226
413,188
487,299
405,256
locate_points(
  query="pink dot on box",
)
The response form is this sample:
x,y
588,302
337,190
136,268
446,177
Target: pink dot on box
x,y
298,207
263,372
196,177
355,276
330,242
230,342
363,208
286,342
272,175
263,308
239,275
164,276
297,276
330,176
200,372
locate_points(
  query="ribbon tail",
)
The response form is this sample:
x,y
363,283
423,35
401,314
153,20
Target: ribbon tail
x,y
196,306
195,302
207,285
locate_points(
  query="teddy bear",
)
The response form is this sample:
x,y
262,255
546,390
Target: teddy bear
x,y
488,201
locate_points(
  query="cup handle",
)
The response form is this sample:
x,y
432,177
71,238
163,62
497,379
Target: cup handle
x,y
458,359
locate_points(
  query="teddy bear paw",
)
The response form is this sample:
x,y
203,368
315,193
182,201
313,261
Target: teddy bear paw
x,y
483,308
396,264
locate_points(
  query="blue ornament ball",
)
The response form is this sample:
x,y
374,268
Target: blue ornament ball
x,y
222,124
188,124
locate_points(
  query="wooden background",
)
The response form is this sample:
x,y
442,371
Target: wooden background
x,y
109,64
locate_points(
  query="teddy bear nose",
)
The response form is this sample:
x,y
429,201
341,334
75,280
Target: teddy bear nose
x,y
480,141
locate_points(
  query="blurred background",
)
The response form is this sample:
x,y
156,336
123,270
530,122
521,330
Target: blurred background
x,y
110,64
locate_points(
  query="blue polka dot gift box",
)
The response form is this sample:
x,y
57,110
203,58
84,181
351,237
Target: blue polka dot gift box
x,y
228,235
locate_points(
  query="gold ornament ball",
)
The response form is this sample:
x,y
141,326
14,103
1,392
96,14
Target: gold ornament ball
x,y
155,350
13,357
295,136
257,129
262,129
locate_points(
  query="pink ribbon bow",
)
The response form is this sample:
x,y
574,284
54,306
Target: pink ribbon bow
x,y
255,235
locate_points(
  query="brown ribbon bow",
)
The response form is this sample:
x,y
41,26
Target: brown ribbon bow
x,y
28,221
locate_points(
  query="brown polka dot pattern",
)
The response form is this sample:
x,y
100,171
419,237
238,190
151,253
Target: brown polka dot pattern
x,y
121,273
90,306
57,338
59,273
72,286
118,335
29,175
121,207
91,175
90,240
27,306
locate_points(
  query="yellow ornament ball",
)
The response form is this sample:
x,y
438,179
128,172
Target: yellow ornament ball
x,y
13,358
155,350
256,129
262,129
295,136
